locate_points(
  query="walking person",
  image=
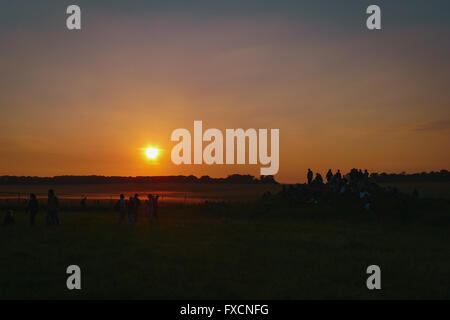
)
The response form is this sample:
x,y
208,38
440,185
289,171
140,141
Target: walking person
x,y
137,204
121,207
52,209
32,208
149,206
155,206
131,210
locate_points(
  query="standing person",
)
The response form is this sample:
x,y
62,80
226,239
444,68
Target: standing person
x,y
121,207
155,206
83,201
137,204
131,212
52,209
149,208
366,176
329,175
309,176
415,194
338,175
32,208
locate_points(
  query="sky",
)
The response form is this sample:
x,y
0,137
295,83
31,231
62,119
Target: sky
x,y
88,101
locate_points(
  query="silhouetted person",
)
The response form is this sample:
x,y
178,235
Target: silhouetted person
x,y
338,175
83,201
309,176
318,179
329,175
52,209
366,175
155,206
149,206
9,218
137,204
121,207
415,194
131,210
32,208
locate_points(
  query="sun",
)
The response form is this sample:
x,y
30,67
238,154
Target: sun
x,y
151,153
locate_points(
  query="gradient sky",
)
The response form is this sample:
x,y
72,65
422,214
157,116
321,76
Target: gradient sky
x,y
86,102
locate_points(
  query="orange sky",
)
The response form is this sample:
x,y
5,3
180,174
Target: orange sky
x,y
87,102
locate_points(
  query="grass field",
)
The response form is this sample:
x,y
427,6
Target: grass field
x,y
427,189
259,250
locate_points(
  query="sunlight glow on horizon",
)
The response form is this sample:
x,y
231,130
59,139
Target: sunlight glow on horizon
x,y
151,153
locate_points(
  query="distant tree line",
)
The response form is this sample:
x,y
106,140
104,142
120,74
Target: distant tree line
x,y
234,179
442,175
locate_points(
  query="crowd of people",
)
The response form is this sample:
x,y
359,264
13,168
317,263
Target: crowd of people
x,y
355,185
128,210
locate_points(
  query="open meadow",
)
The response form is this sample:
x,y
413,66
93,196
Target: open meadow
x,y
254,249
427,189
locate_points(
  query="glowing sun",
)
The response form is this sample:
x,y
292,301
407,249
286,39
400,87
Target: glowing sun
x,y
151,153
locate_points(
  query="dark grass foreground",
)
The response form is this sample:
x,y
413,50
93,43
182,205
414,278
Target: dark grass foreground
x,y
261,250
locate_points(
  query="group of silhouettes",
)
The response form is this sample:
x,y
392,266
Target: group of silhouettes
x,y
51,216
129,209
356,180
354,185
